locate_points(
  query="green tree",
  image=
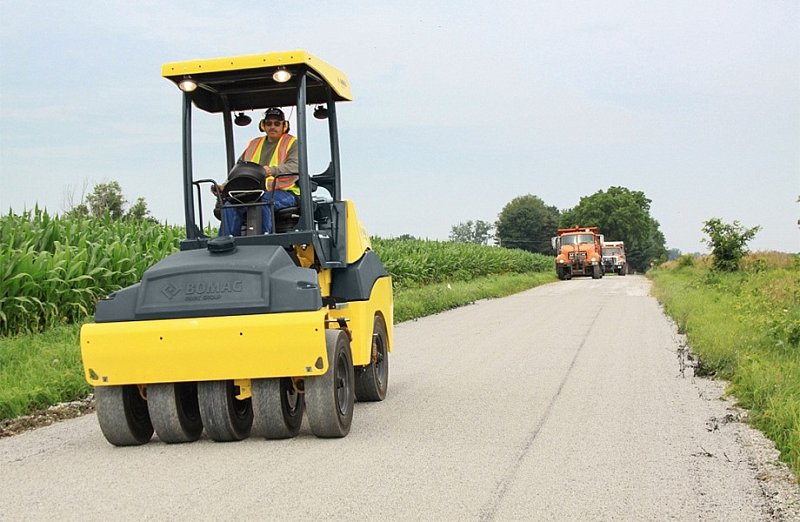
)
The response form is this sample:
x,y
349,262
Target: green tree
x,y
477,232
526,222
78,211
621,215
139,211
106,197
728,242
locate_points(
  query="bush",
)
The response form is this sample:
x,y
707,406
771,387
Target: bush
x,y
728,242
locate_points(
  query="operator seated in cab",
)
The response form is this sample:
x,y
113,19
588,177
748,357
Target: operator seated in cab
x,y
276,151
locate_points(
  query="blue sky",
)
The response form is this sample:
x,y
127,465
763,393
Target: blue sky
x,y
458,108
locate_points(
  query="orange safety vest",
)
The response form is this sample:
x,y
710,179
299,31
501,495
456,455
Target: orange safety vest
x,y
253,153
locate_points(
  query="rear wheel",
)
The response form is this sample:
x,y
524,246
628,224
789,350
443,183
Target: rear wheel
x,y
330,397
122,415
277,408
372,380
225,417
175,411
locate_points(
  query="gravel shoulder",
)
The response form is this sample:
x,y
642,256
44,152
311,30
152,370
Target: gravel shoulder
x,y
46,417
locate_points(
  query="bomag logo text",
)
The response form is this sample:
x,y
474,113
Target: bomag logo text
x,y
210,290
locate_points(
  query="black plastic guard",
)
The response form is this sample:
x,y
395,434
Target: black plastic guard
x,y
197,283
355,282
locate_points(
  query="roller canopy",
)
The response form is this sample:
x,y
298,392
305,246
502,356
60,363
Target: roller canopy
x,y
247,83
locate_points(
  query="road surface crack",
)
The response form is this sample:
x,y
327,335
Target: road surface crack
x,y
489,509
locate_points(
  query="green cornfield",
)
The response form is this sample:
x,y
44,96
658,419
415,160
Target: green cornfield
x,y
54,269
416,262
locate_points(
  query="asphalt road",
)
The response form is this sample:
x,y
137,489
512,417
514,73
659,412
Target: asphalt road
x,y
561,403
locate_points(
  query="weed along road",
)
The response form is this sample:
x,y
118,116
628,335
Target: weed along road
x,y
564,402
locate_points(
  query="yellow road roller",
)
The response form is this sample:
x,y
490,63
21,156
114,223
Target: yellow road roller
x,y
242,335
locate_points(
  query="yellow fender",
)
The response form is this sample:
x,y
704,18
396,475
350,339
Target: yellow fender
x,y
360,315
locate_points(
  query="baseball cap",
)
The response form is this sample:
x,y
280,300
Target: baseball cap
x,y
274,112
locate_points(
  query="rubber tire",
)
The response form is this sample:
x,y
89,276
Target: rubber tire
x,y
225,418
597,273
273,416
122,415
372,380
624,270
175,411
330,397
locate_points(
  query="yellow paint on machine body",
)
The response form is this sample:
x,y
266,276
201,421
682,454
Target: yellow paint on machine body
x,y
359,317
205,348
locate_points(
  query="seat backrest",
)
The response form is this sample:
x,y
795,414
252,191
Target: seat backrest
x,y
286,219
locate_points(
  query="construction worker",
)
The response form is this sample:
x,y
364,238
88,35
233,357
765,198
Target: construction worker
x,y
276,151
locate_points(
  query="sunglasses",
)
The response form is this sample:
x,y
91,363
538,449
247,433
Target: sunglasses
x,y
273,123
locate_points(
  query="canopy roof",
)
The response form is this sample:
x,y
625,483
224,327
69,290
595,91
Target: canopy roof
x,y
247,84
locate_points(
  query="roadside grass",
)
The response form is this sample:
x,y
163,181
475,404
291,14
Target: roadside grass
x,y
745,328
38,370
413,303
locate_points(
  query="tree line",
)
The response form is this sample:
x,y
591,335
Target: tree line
x,y
528,223
525,223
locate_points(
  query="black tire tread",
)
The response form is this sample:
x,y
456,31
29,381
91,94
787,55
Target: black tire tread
x,y
324,417
175,411
218,411
369,388
117,408
271,417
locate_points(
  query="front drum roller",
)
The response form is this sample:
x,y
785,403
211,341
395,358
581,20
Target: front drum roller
x,y
277,408
225,417
372,380
175,411
122,415
330,397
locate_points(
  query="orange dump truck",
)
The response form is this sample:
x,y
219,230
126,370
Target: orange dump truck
x,y
579,252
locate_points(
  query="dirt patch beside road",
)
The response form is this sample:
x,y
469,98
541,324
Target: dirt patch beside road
x,y
59,412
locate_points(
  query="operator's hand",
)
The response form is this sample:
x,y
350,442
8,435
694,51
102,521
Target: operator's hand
x,y
217,189
270,180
